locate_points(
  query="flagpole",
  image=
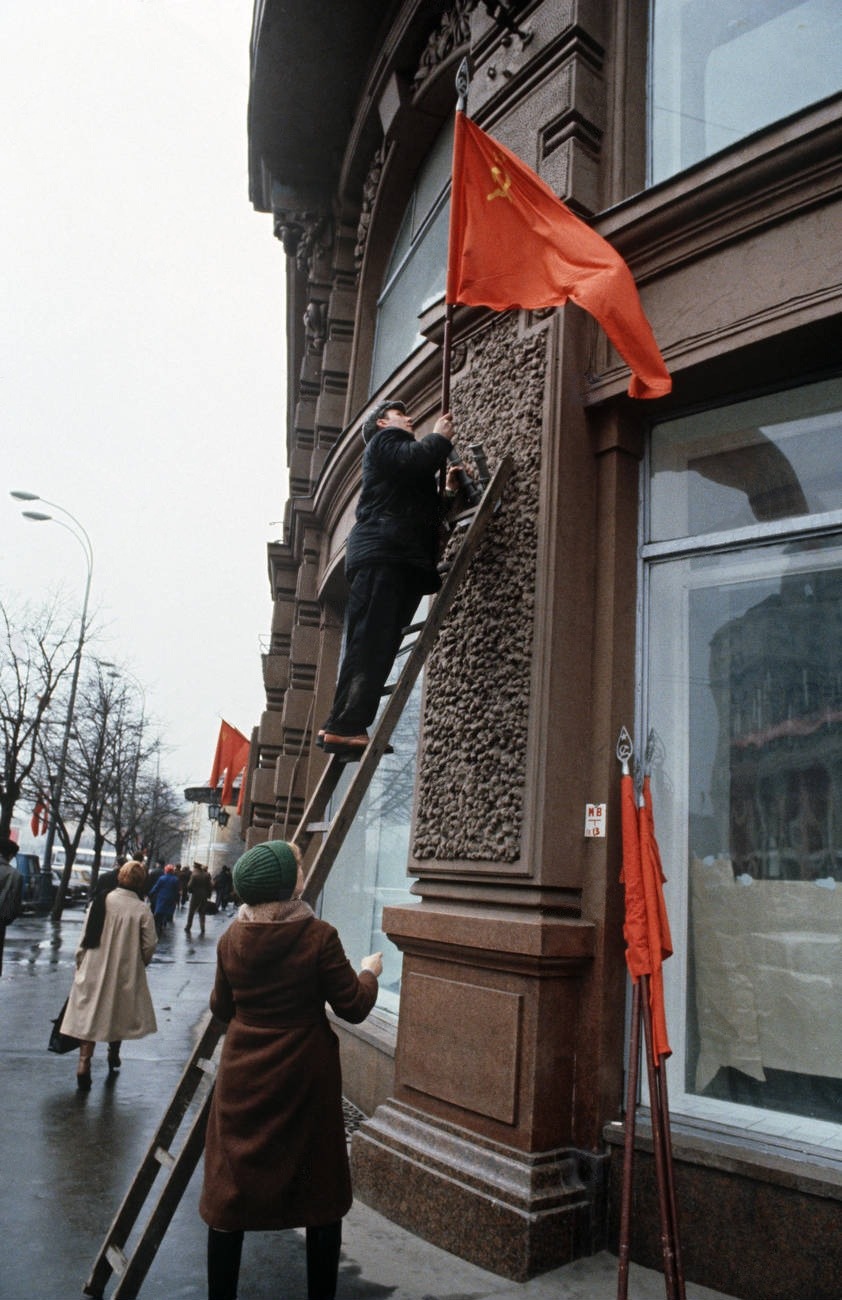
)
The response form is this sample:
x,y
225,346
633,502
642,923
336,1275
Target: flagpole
x,y
624,1244
672,1203
662,1099
642,992
463,81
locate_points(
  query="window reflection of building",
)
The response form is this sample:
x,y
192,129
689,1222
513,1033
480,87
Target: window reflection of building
x,y
775,675
745,623
725,68
370,871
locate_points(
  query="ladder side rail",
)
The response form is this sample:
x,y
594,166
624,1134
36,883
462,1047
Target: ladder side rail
x,y
332,842
141,1185
317,803
178,1178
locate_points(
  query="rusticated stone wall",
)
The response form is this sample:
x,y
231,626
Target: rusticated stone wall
x,y
471,784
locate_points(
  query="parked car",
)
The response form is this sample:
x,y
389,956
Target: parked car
x,y
78,886
29,866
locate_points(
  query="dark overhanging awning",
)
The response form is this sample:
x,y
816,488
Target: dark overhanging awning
x,y
309,60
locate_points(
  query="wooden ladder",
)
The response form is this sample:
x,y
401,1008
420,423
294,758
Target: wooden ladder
x,y
131,1262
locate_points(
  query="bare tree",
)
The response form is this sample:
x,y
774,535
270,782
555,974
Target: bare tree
x,y
162,817
37,648
93,765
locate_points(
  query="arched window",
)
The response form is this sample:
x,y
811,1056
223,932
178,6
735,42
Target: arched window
x,y
416,271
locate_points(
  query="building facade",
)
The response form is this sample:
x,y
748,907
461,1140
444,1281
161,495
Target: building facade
x,y
674,566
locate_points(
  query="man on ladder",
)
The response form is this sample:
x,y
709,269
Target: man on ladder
x,y
390,562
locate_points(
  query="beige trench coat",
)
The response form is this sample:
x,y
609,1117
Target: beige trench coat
x,y
110,998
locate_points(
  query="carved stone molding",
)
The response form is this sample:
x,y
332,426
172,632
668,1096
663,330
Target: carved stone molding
x,y
315,326
306,236
453,30
370,188
480,752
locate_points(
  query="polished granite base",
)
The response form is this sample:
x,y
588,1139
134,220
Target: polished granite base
x,y
512,1213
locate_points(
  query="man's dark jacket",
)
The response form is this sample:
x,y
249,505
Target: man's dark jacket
x,y
399,512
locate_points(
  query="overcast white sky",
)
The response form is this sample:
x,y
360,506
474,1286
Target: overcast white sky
x,y
142,345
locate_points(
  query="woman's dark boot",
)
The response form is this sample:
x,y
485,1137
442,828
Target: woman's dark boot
x,y
114,1061
83,1069
224,1252
323,1245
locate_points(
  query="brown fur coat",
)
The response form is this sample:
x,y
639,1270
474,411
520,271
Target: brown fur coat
x,y
275,1150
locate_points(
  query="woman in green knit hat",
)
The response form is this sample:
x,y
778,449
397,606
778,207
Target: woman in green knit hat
x,y
275,1149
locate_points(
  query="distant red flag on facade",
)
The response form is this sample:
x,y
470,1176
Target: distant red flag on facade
x,y
232,754
646,927
38,821
513,243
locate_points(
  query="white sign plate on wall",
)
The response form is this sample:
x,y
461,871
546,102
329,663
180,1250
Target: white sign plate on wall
x,y
595,821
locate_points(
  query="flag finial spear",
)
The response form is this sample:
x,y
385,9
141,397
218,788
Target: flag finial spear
x,y
463,81
625,750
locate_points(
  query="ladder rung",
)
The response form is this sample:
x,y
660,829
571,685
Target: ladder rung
x,y
412,629
116,1259
164,1157
317,828
207,1065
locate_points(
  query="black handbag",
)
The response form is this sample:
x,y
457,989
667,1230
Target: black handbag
x,y
59,1042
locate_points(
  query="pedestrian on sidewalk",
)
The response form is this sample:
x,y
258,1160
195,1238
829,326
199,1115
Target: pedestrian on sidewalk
x,y
163,897
275,1149
222,883
110,999
11,891
199,890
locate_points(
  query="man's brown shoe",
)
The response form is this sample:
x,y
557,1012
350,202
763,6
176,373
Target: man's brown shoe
x,y
333,743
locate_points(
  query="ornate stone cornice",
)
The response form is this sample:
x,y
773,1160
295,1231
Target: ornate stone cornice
x,y
370,188
305,236
454,29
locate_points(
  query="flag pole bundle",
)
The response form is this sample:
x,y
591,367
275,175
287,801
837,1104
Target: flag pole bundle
x,y
648,944
513,243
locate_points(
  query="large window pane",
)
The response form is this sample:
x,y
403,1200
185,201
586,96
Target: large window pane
x,y
370,872
745,686
771,458
416,273
722,69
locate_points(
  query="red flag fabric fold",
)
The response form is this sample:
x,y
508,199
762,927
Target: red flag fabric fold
x,y
38,821
230,759
513,243
646,926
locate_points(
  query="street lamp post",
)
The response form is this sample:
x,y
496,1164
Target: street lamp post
x,y
84,541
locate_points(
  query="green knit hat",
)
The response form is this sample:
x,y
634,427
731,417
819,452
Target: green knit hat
x,y
266,873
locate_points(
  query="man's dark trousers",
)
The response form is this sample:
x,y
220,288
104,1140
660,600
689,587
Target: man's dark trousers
x,y
381,603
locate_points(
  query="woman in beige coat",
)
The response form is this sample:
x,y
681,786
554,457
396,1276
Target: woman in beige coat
x,y
110,997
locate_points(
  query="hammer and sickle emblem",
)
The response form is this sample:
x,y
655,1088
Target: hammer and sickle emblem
x,y
504,184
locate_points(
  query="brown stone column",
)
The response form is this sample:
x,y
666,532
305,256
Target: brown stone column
x,y
476,1148
470,1152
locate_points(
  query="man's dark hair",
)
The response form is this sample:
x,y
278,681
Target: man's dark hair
x,y
8,847
370,423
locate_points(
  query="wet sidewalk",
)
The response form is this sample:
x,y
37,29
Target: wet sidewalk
x,y
68,1157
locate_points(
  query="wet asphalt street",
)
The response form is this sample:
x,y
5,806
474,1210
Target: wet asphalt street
x,y
67,1158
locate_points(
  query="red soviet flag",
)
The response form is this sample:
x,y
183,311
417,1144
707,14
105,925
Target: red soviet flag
x,y
38,820
634,926
513,243
646,926
657,922
232,752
